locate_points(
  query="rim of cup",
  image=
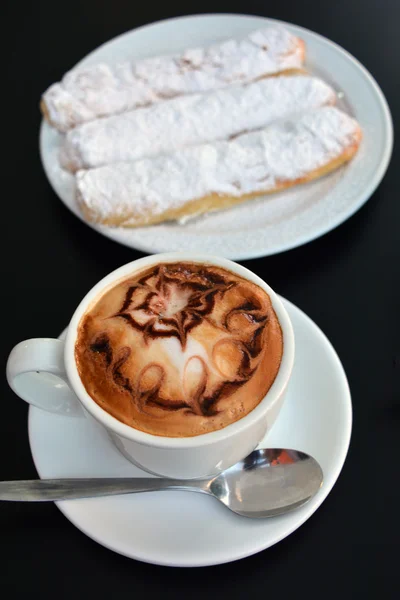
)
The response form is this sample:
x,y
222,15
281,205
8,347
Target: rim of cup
x,y
126,431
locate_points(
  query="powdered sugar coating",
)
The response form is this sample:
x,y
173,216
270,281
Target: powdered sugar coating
x,y
192,120
254,162
87,93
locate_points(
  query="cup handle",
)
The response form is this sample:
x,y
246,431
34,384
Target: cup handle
x,y
36,373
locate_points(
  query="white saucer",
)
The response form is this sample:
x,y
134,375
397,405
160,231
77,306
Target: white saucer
x,y
271,223
186,529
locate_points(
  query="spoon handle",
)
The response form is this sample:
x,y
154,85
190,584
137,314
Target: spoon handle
x,y
41,490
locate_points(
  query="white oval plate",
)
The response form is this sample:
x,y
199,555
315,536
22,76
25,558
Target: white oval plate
x,y
272,223
187,529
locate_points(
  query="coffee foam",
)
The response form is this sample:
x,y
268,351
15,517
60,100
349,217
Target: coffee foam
x,y
180,349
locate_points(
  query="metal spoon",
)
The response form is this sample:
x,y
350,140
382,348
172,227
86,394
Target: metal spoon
x,y
268,482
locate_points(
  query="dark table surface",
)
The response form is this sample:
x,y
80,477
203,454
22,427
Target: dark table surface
x,y
347,281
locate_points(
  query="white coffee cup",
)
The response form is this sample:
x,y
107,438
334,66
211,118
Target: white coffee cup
x,y
43,372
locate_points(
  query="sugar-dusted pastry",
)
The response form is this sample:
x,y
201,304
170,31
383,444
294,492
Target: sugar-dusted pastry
x,y
87,93
218,175
191,120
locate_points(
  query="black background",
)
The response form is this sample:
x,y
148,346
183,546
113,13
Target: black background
x,y
346,281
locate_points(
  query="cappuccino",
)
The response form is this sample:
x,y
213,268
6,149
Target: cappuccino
x,y
179,349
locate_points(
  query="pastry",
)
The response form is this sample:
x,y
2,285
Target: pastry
x,y
218,175
191,120
86,93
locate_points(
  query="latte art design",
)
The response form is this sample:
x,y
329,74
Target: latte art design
x,y
168,303
172,350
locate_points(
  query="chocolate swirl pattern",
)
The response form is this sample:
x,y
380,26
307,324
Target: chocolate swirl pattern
x,y
180,350
169,303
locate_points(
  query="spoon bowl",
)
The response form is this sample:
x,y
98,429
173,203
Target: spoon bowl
x,y
268,482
